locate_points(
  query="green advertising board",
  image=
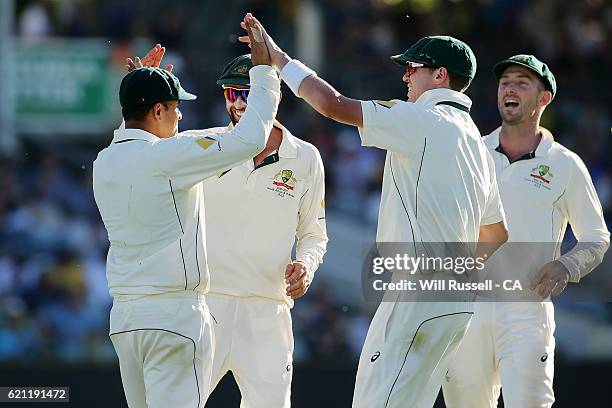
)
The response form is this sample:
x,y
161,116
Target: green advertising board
x,y
63,86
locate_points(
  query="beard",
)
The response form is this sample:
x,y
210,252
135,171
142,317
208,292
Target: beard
x,y
511,119
526,111
233,117
516,118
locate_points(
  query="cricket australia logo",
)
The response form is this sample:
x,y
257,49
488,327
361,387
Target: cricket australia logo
x,y
283,183
541,176
284,178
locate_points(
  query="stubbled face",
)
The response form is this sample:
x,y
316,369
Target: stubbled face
x,y
519,95
236,109
418,81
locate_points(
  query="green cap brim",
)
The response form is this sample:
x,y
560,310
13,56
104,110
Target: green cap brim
x,y
234,81
500,67
186,96
400,59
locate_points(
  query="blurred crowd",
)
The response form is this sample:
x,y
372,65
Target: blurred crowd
x,y
54,300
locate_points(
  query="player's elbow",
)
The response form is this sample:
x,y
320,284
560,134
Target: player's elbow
x,y
503,235
500,233
342,109
494,233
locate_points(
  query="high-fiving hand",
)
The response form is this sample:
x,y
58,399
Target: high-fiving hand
x,y
152,59
255,39
278,57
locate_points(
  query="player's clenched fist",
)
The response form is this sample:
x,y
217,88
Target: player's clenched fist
x,y
297,280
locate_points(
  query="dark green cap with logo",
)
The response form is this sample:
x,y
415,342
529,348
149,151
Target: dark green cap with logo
x,y
532,63
441,51
150,85
237,71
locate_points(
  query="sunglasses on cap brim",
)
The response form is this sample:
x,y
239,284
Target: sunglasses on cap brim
x,y
232,94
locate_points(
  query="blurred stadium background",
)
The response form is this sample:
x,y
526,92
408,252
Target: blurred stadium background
x,y
61,62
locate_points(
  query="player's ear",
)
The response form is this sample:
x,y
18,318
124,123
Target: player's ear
x,y
545,97
441,74
157,111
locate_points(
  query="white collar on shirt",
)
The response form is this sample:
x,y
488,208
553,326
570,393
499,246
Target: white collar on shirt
x,y
123,134
434,96
546,142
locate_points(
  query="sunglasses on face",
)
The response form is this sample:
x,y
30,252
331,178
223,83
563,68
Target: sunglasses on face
x,y
231,94
411,67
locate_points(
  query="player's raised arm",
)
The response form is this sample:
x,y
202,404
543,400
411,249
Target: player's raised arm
x,y
197,154
307,85
381,124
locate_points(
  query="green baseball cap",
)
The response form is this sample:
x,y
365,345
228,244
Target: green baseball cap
x,y
237,71
532,63
441,51
150,85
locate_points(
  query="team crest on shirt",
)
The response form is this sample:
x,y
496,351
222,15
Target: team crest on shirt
x,y
283,183
541,176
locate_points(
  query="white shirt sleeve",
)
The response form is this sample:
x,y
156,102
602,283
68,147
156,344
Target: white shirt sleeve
x,y
193,156
396,125
585,215
311,231
494,211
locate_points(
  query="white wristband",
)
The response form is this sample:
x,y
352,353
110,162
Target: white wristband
x,y
293,73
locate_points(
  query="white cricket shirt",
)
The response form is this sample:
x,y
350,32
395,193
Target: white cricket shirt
x,y
149,194
439,180
254,216
542,192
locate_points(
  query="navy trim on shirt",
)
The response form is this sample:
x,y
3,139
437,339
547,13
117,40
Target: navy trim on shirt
x,y
455,105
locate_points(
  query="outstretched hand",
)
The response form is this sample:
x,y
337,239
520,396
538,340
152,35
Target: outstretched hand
x,y
259,49
278,57
152,59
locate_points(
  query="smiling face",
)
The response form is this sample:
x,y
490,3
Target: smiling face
x,y
420,79
521,95
236,105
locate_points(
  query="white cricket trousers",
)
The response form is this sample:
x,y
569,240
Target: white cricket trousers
x,y
407,351
165,346
254,340
509,345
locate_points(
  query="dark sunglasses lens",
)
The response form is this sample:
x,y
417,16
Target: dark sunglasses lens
x,y
233,94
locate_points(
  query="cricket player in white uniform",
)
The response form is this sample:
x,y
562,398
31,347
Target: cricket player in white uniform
x,y
438,186
543,186
254,213
148,188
